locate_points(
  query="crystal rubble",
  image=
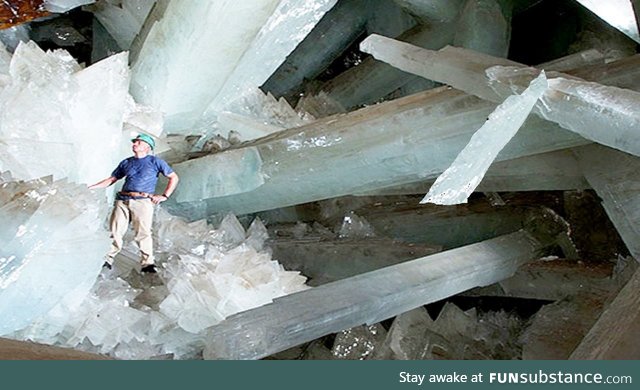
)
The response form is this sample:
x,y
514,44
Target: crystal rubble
x,y
614,335
455,334
406,337
358,343
465,173
367,298
255,115
122,19
5,60
206,275
52,243
395,142
597,112
69,111
614,176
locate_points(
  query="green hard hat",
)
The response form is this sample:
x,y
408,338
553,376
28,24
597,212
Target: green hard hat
x,y
146,138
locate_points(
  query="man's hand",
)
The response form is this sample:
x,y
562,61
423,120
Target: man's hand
x,y
157,199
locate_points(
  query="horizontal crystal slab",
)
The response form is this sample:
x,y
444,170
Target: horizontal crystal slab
x,y
367,298
393,143
598,112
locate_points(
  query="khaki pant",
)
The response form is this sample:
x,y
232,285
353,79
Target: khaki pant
x,y
140,213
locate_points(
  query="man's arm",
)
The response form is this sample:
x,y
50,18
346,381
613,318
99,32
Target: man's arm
x,y
171,186
103,183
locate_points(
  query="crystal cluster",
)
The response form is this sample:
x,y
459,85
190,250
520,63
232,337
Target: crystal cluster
x,y
207,274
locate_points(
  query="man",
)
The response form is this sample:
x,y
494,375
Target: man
x,y
135,202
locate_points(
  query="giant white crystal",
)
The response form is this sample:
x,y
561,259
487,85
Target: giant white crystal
x,y
61,113
607,115
289,24
51,247
188,55
601,113
463,176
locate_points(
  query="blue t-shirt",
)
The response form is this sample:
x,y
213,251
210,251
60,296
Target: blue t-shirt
x,y
141,174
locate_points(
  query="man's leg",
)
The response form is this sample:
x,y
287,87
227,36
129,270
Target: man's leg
x,y
142,219
119,223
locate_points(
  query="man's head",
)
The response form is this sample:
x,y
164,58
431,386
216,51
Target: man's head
x,y
144,141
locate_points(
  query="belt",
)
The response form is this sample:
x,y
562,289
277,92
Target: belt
x,y
135,194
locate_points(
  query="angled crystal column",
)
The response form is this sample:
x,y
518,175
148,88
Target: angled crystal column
x,y
371,80
393,143
578,60
623,73
616,178
604,114
188,55
615,334
290,23
601,113
122,19
483,27
618,13
463,176
367,298
336,31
